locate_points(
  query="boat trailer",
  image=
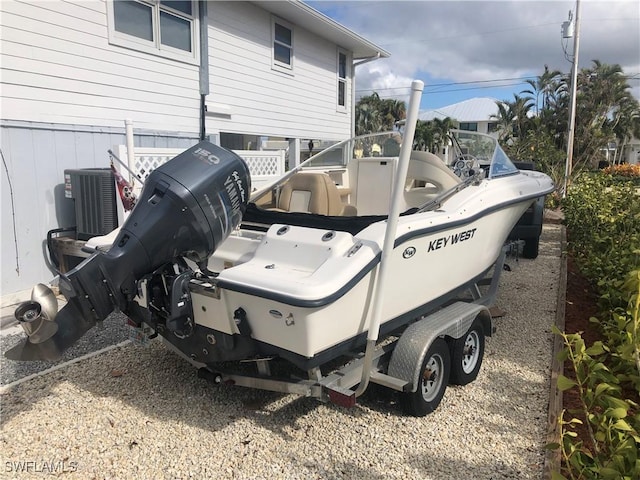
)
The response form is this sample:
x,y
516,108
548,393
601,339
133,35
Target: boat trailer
x,y
442,347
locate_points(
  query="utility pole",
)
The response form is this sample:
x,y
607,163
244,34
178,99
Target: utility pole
x,y
572,104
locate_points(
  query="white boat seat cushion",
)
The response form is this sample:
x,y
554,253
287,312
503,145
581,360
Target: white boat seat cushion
x,y
427,177
313,192
429,168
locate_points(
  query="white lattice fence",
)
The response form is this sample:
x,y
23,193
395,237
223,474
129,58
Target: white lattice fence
x,y
264,166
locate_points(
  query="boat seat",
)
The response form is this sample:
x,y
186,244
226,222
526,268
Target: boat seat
x,y
427,177
313,192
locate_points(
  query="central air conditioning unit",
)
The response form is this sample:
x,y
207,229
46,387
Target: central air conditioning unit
x,y
94,193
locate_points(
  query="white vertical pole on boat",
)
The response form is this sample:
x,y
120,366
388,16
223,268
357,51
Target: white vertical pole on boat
x,y
131,158
390,234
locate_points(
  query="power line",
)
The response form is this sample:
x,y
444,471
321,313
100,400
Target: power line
x,y
632,76
472,88
457,89
450,84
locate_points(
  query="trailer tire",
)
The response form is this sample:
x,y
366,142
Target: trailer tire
x,y
433,381
467,353
531,248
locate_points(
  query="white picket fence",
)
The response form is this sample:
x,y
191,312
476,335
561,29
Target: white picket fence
x,y
264,166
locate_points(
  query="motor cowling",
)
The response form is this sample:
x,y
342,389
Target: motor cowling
x,y
188,207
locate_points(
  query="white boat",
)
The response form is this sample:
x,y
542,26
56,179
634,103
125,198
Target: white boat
x,y
346,249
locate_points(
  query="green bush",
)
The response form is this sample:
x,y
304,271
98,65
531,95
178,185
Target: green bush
x,y
602,213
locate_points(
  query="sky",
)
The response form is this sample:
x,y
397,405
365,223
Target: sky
x,y
467,49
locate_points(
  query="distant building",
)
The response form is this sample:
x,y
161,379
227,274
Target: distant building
x,y
474,114
631,152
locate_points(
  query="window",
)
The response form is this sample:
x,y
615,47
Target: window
x,y
282,45
492,127
342,80
469,126
166,28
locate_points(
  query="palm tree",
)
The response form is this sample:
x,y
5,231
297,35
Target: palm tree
x,y
392,111
544,86
424,135
386,112
605,111
367,119
626,125
432,135
505,119
442,127
513,117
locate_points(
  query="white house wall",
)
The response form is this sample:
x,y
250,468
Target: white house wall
x,y
32,196
264,101
58,66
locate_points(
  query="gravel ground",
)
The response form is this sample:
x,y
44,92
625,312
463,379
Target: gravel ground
x,y
142,413
112,332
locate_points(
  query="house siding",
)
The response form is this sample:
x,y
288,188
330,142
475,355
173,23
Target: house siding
x,y
58,67
265,101
32,195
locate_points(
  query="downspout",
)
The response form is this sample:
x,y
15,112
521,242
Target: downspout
x,y
390,234
131,158
204,66
353,90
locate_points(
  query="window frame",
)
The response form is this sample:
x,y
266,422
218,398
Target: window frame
x,y
340,80
468,126
276,64
155,47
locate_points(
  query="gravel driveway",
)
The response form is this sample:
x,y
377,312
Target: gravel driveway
x,y
142,413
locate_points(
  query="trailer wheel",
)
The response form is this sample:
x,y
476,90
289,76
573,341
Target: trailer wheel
x,y
433,381
466,355
531,248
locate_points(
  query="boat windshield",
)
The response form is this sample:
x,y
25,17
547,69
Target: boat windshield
x,y
485,149
338,156
382,144
474,150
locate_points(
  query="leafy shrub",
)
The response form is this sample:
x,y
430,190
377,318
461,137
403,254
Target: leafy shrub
x,y
611,449
602,213
624,170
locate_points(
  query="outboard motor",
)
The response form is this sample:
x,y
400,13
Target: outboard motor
x,y
187,208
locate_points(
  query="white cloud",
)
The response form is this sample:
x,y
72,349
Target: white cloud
x,y
484,40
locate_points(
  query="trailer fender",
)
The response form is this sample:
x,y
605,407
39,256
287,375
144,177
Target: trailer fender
x,y
452,321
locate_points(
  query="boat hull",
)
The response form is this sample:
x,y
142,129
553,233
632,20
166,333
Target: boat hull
x,y
303,315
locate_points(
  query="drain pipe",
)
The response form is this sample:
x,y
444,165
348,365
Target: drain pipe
x,y
203,70
390,234
131,157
